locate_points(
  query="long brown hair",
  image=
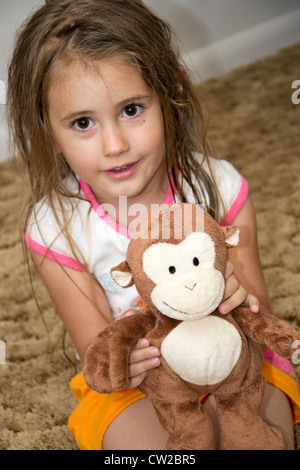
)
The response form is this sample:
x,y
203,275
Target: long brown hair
x,y
64,30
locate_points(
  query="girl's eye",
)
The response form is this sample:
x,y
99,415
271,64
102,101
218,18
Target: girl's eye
x,y
83,124
196,261
132,110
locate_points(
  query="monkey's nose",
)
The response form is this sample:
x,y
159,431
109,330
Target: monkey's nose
x,y
191,288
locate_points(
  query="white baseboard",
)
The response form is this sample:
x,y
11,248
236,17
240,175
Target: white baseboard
x,y
244,47
3,128
3,143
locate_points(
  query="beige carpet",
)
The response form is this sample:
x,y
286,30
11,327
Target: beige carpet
x,y
255,126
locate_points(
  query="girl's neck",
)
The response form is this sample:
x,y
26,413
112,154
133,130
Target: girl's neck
x,y
126,211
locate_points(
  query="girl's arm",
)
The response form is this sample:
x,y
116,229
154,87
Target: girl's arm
x,y
248,284
80,302
84,310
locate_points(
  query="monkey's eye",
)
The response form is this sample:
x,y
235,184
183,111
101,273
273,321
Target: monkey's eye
x,y
172,269
195,262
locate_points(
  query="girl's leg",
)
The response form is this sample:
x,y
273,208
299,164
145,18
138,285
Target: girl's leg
x,y
138,428
277,410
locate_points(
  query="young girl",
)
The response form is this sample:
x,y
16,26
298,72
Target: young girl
x,y
105,117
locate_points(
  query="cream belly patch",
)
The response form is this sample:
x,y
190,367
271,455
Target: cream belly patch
x,y
204,351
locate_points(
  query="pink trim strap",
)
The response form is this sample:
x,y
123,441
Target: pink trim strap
x,y
53,255
100,212
237,203
73,264
280,363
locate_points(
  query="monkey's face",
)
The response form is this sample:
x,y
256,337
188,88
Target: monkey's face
x,y
182,276
187,285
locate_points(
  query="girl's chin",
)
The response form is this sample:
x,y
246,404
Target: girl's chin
x,y
115,194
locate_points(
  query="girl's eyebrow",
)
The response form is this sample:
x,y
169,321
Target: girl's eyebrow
x,y
122,103
132,99
76,114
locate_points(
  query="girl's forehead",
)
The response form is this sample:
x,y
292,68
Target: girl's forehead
x,y
105,68
112,78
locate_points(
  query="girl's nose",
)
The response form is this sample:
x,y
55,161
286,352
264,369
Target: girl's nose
x,y
114,142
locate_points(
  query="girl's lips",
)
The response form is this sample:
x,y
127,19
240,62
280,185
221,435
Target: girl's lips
x,y
122,172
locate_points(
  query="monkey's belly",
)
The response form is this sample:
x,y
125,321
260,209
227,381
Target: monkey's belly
x,y
203,352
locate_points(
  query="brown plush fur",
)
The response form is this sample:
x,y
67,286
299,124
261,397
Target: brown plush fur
x,y
176,401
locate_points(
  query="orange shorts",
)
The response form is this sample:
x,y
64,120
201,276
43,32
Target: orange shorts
x,y
95,411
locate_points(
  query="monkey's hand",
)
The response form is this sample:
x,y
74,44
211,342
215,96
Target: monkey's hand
x,y
266,329
107,359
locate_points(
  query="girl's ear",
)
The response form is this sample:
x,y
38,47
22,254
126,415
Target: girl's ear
x,y
179,84
180,88
232,236
122,275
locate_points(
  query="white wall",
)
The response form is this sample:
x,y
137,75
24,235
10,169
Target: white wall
x,y
219,35
215,35
12,14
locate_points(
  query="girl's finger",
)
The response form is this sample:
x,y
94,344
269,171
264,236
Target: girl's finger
x,y
137,380
138,368
253,303
234,300
229,269
232,285
142,354
142,343
127,313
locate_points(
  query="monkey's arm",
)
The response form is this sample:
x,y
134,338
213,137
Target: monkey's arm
x,y
106,361
265,328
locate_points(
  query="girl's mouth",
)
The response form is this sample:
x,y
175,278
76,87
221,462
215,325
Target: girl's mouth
x,y
122,172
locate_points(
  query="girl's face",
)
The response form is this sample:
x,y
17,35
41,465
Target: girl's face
x,y
109,126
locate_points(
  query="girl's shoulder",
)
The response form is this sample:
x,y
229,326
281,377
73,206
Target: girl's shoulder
x,y
61,208
75,231
45,229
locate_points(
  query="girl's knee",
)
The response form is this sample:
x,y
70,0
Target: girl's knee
x,y
136,428
276,409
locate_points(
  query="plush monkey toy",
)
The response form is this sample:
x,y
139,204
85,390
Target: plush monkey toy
x,y
177,262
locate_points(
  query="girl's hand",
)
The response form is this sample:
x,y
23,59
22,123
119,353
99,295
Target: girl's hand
x,y
144,357
235,293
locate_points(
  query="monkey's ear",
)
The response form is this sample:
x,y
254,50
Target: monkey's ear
x,y
122,275
232,236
